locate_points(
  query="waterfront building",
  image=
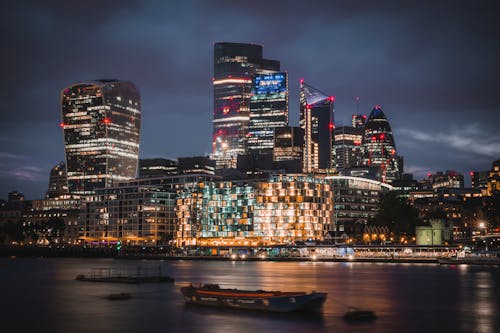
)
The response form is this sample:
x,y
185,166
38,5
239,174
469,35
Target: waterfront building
x,y
136,212
234,66
268,110
54,220
348,147
435,232
356,201
317,121
157,167
280,209
196,165
101,126
379,149
58,182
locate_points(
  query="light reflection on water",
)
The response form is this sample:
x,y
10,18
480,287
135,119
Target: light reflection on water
x,y
407,298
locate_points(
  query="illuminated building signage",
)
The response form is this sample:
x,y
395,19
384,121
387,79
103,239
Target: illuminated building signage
x,y
269,84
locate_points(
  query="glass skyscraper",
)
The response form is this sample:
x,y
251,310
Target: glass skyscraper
x,y
101,123
234,66
379,149
268,110
316,118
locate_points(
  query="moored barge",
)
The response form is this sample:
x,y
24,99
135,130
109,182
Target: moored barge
x,y
273,301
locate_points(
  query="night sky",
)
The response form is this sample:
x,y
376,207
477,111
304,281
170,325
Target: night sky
x,y
433,66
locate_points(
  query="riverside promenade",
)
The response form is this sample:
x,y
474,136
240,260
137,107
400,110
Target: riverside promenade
x,y
319,253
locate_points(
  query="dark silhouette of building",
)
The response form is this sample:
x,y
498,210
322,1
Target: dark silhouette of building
x,y
196,165
58,181
157,167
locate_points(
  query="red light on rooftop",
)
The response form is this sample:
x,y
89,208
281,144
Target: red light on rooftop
x,y
429,174
364,116
301,81
332,98
377,107
331,126
106,120
61,125
471,173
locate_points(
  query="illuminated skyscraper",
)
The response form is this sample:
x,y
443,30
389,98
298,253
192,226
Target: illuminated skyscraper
x,y
268,110
58,182
316,118
234,66
101,124
358,120
348,147
379,149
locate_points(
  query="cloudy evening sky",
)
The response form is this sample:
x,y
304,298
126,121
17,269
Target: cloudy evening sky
x,y
433,66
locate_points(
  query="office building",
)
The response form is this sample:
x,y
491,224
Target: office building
x,y
348,147
157,167
58,181
356,201
268,110
101,123
379,149
358,120
280,209
136,212
234,66
196,165
316,119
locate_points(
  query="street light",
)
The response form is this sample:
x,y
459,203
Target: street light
x,y
482,225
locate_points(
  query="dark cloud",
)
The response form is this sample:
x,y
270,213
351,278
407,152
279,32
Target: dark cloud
x,y
432,65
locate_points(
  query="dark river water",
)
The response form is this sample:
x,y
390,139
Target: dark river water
x,y
42,295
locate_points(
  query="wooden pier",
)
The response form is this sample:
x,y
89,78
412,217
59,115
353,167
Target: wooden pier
x,y
121,275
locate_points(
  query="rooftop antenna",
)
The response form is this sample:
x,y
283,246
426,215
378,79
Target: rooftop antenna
x,y
356,101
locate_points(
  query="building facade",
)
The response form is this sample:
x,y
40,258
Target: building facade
x,y
280,209
379,149
348,147
357,200
234,66
137,212
268,110
157,167
58,181
101,123
317,121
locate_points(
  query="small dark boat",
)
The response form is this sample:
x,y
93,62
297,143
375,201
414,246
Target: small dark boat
x,y
355,314
120,296
274,301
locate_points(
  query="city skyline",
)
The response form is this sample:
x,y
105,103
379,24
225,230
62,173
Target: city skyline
x,y
433,74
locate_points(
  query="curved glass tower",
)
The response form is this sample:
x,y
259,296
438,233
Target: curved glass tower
x,y
101,122
316,118
379,149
